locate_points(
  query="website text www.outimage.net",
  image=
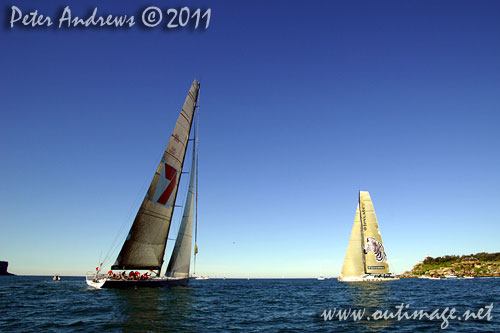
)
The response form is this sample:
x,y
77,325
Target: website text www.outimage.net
x,y
404,312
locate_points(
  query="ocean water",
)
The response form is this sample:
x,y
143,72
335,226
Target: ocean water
x,y
38,304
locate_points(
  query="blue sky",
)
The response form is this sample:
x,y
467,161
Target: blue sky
x,y
302,104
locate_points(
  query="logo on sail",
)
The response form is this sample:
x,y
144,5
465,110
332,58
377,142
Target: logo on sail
x,y
166,184
373,245
363,216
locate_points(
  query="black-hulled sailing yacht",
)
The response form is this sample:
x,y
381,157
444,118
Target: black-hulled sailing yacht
x,y
145,245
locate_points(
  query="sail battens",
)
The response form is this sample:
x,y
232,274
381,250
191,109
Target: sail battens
x,y
145,244
154,214
180,142
185,117
173,156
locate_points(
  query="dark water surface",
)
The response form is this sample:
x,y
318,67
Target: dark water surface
x,y
31,303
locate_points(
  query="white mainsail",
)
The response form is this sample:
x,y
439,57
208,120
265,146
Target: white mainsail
x,y
144,246
178,266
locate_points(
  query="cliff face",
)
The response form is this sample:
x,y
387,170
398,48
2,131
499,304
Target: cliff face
x,y
480,264
3,268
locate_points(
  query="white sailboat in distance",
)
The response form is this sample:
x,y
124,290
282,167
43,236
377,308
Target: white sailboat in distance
x,y
365,258
144,247
321,277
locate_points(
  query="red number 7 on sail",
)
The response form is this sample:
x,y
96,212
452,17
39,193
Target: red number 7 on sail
x,y
170,174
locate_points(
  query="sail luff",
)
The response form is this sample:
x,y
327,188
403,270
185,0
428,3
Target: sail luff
x,y
197,148
362,242
145,244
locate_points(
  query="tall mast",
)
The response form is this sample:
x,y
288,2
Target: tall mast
x,y
196,136
362,234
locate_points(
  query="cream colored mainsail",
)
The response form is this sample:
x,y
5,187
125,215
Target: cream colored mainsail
x,y
144,247
373,247
365,251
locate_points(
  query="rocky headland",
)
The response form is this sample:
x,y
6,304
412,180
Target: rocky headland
x,y
3,268
477,265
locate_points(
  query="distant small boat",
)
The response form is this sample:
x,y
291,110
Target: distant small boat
x,y
321,278
423,277
434,278
451,276
468,277
56,277
203,278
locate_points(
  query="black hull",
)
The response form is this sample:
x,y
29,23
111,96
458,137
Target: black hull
x,y
153,283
